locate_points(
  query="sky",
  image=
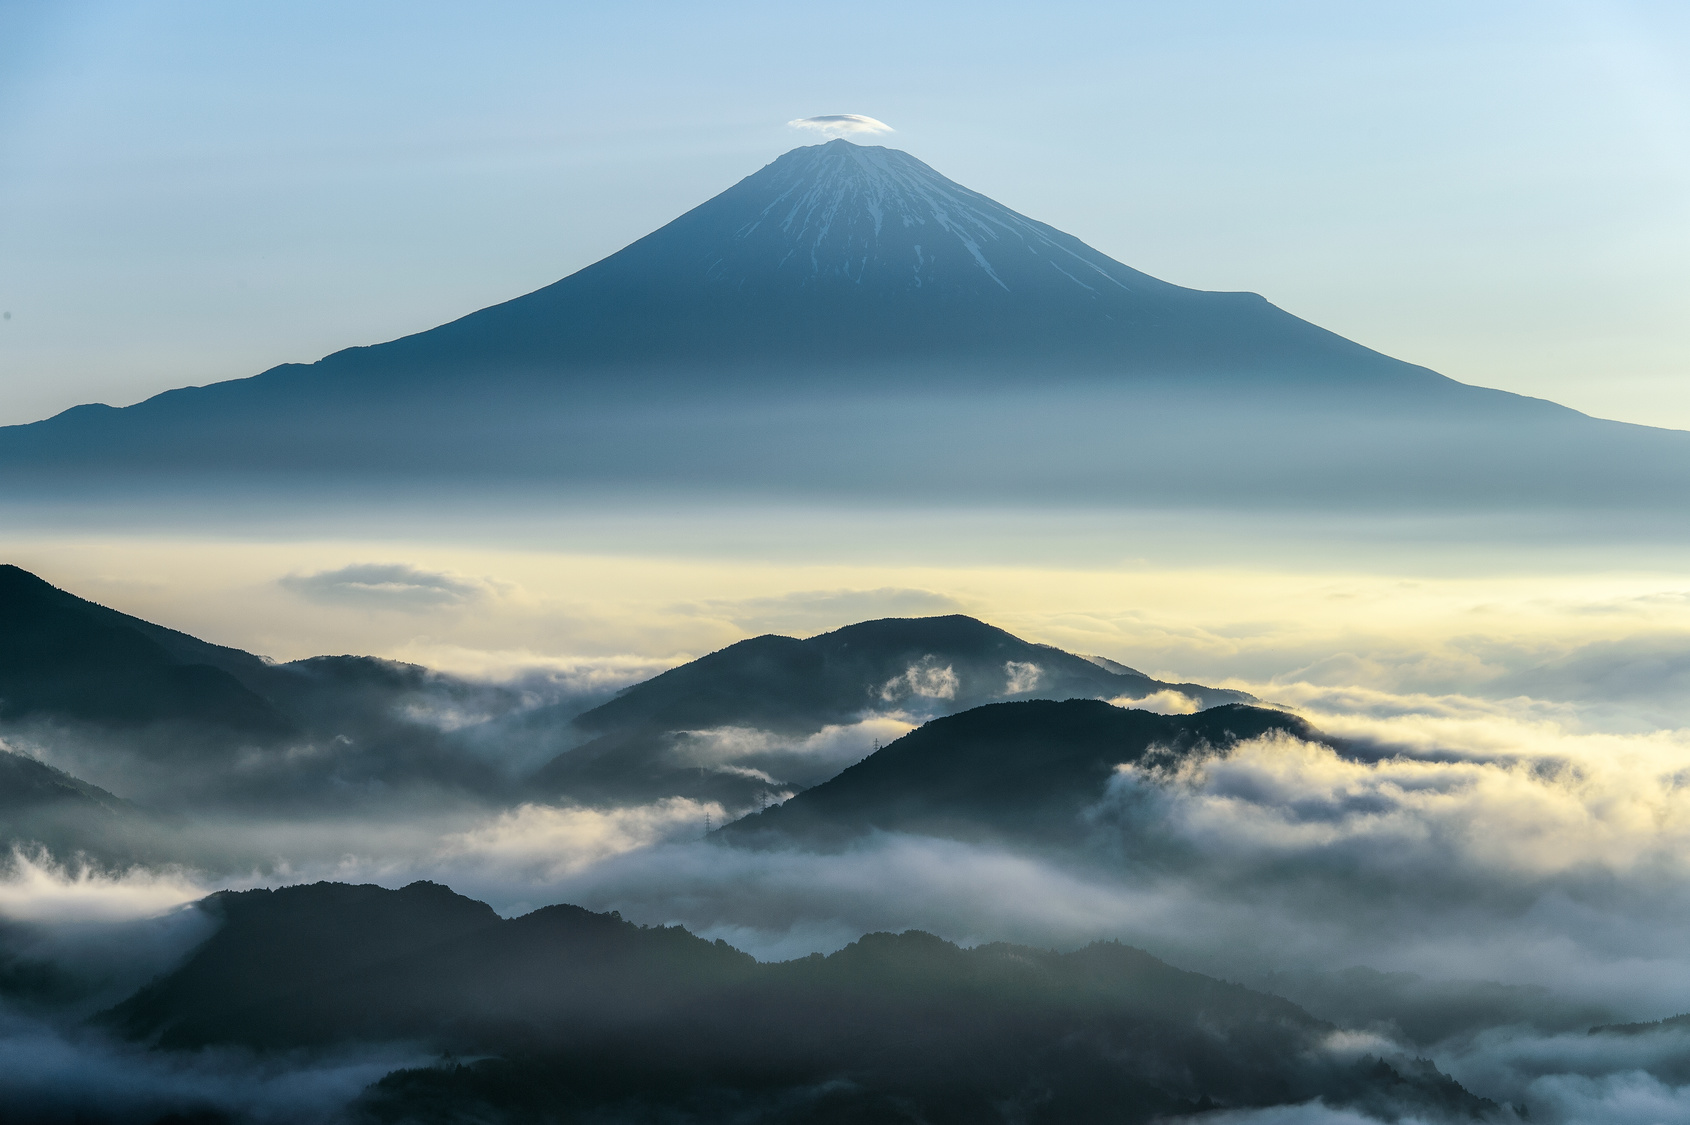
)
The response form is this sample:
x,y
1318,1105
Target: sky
x,y
193,191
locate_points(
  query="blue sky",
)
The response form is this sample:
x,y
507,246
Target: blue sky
x,y
192,191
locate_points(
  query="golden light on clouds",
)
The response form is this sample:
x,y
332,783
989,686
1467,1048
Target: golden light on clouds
x,y
627,614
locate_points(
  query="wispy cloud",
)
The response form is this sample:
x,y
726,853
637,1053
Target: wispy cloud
x,y
391,585
35,888
1169,702
841,125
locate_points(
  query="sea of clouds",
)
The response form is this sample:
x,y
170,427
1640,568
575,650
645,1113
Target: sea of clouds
x,y
1524,841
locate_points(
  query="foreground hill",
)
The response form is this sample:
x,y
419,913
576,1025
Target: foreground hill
x,y
849,324
763,697
1009,771
589,1015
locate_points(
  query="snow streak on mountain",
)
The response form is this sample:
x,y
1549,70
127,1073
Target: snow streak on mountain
x,y
879,216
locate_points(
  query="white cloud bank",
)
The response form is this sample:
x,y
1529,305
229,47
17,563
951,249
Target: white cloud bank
x,y
35,888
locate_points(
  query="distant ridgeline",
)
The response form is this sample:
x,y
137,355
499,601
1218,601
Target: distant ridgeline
x,y
793,689
585,1016
131,719
1015,772
847,323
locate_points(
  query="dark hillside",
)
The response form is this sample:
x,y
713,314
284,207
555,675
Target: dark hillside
x,y
1009,771
912,667
786,684
63,657
590,1017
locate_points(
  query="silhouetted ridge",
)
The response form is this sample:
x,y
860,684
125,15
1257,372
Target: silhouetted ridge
x,y
1022,770
41,806
282,954
597,1018
790,688
63,657
862,252
781,682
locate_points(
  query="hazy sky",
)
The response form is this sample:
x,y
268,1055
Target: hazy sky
x,y
193,191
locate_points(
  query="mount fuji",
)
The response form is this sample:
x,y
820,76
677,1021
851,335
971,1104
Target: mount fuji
x,y
847,322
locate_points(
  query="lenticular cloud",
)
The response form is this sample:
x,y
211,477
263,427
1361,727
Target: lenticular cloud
x,y
841,124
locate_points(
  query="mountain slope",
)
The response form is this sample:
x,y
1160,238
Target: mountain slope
x,y
45,807
846,251
848,323
597,1017
782,683
63,657
1022,771
673,733
840,252
169,720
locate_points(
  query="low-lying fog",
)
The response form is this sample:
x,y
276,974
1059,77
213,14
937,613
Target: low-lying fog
x,y
1498,861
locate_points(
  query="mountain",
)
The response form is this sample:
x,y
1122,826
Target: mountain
x,y
757,707
1408,1008
1008,771
849,323
65,658
45,807
589,1016
159,716
162,717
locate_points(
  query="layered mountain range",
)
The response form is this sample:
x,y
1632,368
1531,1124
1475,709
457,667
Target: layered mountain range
x,y
590,1016
111,704
848,323
190,752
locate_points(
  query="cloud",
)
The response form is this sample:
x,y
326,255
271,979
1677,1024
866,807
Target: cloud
x,y
1278,797
1311,1113
1576,1077
841,124
49,1074
544,673
783,759
387,586
837,744
550,842
1022,677
925,679
782,904
35,888
1168,702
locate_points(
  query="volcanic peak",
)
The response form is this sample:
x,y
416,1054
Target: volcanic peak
x,y
857,213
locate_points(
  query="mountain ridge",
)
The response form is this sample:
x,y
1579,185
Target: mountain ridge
x,y
1021,771
843,323
595,1015
785,690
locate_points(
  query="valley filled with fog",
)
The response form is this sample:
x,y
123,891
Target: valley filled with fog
x,y
1469,848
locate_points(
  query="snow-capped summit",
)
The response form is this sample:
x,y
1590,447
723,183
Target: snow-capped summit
x,y
849,251
867,215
